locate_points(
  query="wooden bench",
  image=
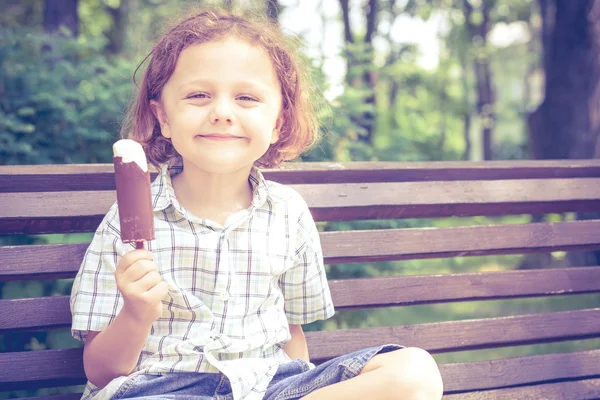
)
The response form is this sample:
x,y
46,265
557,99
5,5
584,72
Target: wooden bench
x,y
73,198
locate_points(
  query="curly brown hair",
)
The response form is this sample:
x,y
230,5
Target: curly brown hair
x,y
300,127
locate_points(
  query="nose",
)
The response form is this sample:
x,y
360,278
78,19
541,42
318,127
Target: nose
x,y
221,111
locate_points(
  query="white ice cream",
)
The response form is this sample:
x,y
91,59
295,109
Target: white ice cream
x,y
131,151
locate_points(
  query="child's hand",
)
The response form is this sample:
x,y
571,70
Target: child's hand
x,y
141,286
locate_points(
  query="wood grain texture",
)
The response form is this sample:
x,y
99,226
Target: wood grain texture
x,y
37,369
53,312
47,178
442,337
52,261
506,372
586,389
416,243
74,198
424,289
65,367
68,396
45,212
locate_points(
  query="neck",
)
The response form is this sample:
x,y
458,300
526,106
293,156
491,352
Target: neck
x,y
213,195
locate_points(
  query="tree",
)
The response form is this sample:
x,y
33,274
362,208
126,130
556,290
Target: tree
x,y
59,13
359,71
273,9
117,33
478,25
567,123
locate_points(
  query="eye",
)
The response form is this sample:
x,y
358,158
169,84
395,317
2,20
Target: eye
x,y
198,96
246,97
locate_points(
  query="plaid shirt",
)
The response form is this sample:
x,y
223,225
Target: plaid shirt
x,y
233,289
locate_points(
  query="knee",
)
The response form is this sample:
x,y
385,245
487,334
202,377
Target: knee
x,y
420,379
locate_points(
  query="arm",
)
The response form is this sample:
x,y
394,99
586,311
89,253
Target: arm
x,y
115,350
297,347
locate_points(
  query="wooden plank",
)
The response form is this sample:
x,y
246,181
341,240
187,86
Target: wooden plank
x,y
68,396
50,178
39,313
586,389
425,289
28,226
507,372
54,261
442,337
403,244
53,312
44,212
50,368
51,261
38,369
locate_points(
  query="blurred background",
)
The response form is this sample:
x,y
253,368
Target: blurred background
x,y
398,80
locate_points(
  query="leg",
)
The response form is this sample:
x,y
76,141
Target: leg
x,y
406,374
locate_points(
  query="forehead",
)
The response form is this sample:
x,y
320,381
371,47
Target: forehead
x,y
230,61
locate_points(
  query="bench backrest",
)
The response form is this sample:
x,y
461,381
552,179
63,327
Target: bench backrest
x,y
74,198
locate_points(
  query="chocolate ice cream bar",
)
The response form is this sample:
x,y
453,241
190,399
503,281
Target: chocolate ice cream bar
x,y
134,197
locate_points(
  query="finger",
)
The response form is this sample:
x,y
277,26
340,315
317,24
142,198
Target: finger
x,y
159,291
130,258
146,282
137,270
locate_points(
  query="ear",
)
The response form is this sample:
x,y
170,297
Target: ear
x,y
159,112
277,130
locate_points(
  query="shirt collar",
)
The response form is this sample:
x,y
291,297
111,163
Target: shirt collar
x,y
163,193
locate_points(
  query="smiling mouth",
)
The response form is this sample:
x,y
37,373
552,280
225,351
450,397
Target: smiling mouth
x,y
217,136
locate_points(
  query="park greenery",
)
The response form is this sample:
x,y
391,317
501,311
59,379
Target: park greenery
x,y
64,90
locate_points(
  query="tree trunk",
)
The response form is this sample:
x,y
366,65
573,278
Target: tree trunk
x,y
118,32
361,59
464,73
273,8
483,74
567,123
59,13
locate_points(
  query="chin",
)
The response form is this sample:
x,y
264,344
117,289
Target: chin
x,y
224,167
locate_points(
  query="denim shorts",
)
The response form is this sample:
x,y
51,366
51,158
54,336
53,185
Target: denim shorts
x,y
293,380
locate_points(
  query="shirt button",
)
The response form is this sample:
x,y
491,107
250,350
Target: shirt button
x,y
223,296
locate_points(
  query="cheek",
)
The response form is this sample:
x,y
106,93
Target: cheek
x,y
188,115
266,117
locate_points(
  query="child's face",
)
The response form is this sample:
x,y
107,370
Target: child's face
x,y
221,106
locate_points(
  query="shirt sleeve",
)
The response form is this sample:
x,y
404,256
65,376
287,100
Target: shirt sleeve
x,y
95,299
304,285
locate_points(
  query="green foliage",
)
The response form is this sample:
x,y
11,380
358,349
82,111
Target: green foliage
x,y
62,100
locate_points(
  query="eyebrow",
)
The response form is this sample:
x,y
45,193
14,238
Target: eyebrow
x,y
244,84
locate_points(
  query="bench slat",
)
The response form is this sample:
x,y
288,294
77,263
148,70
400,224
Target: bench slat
x,y
403,244
50,178
493,374
39,369
44,212
407,195
447,336
442,337
412,290
68,396
586,389
53,312
62,261
52,366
